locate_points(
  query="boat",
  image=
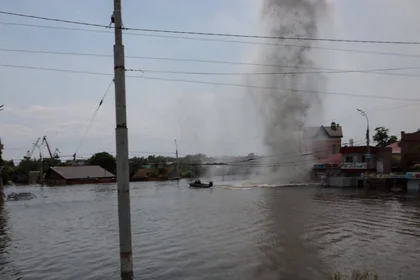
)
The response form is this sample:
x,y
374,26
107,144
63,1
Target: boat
x,y
198,184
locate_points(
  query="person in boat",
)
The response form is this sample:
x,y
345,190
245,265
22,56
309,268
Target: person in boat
x,y
197,182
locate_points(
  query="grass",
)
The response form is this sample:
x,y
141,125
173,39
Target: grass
x,y
355,275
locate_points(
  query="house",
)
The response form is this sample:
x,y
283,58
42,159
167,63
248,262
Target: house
x,y
356,160
69,175
323,141
410,150
154,174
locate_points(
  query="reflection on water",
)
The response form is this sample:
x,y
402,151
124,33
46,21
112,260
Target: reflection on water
x,y
262,232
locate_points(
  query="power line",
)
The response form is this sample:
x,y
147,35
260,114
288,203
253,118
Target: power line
x,y
55,70
93,117
216,40
280,89
325,70
54,19
214,34
369,71
217,83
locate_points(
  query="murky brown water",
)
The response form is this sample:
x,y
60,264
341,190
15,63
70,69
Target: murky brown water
x,y
228,232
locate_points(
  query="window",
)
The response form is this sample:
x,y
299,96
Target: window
x,y
334,148
363,159
349,159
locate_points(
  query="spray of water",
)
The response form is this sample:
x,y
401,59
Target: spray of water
x,y
285,113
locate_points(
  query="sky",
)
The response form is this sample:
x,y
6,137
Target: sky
x,y
203,118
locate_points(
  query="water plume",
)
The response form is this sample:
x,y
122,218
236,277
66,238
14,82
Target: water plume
x,y
284,110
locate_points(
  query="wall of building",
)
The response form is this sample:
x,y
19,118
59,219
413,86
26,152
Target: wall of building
x,y
410,150
413,186
342,181
324,148
386,158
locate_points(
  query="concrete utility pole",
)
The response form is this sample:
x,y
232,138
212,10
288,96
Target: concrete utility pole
x,y
367,136
367,144
123,182
177,161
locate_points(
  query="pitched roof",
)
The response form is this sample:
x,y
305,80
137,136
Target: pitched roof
x,y
334,132
146,172
143,173
318,131
82,172
396,149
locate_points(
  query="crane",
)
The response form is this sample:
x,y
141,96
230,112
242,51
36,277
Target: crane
x,y
30,153
44,140
56,152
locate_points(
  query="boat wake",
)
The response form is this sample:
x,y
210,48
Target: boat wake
x,y
250,185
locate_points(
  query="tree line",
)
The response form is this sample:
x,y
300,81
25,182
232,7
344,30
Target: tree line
x,y
189,166
19,173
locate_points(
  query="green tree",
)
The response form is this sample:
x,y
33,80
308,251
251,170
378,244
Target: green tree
x,y
50,162
20,174
104,160
382,138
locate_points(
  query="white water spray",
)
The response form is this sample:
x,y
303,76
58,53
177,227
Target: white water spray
x,y
284,112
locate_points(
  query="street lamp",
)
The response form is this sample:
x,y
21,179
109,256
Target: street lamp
x,y
367,136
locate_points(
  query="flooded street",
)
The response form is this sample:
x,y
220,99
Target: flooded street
x,y
234,231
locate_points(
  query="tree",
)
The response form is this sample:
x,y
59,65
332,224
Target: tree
x,y
50,162
381,137
104,160
20,174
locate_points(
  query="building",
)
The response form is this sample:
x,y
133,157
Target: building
x,y
70,175
154,174
355,160
410,150
323,141
413,182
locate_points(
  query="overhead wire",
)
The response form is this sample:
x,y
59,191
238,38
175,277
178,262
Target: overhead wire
x,y
91,120
215,40
370,71
217,83
324,70
211,33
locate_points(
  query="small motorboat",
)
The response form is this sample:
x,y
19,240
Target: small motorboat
x,y
198,184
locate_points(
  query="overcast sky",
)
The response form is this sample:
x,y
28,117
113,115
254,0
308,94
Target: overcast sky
x,y
206,118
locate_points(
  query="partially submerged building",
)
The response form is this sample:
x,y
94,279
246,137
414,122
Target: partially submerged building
x,y
357,159
410,150
70,175
149,173
323,141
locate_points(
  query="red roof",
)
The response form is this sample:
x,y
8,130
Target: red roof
x,y
395,148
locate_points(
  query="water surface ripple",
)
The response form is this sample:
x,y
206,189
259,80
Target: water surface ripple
x,y
235,231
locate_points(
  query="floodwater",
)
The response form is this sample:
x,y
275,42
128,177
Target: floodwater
x,y
232,231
